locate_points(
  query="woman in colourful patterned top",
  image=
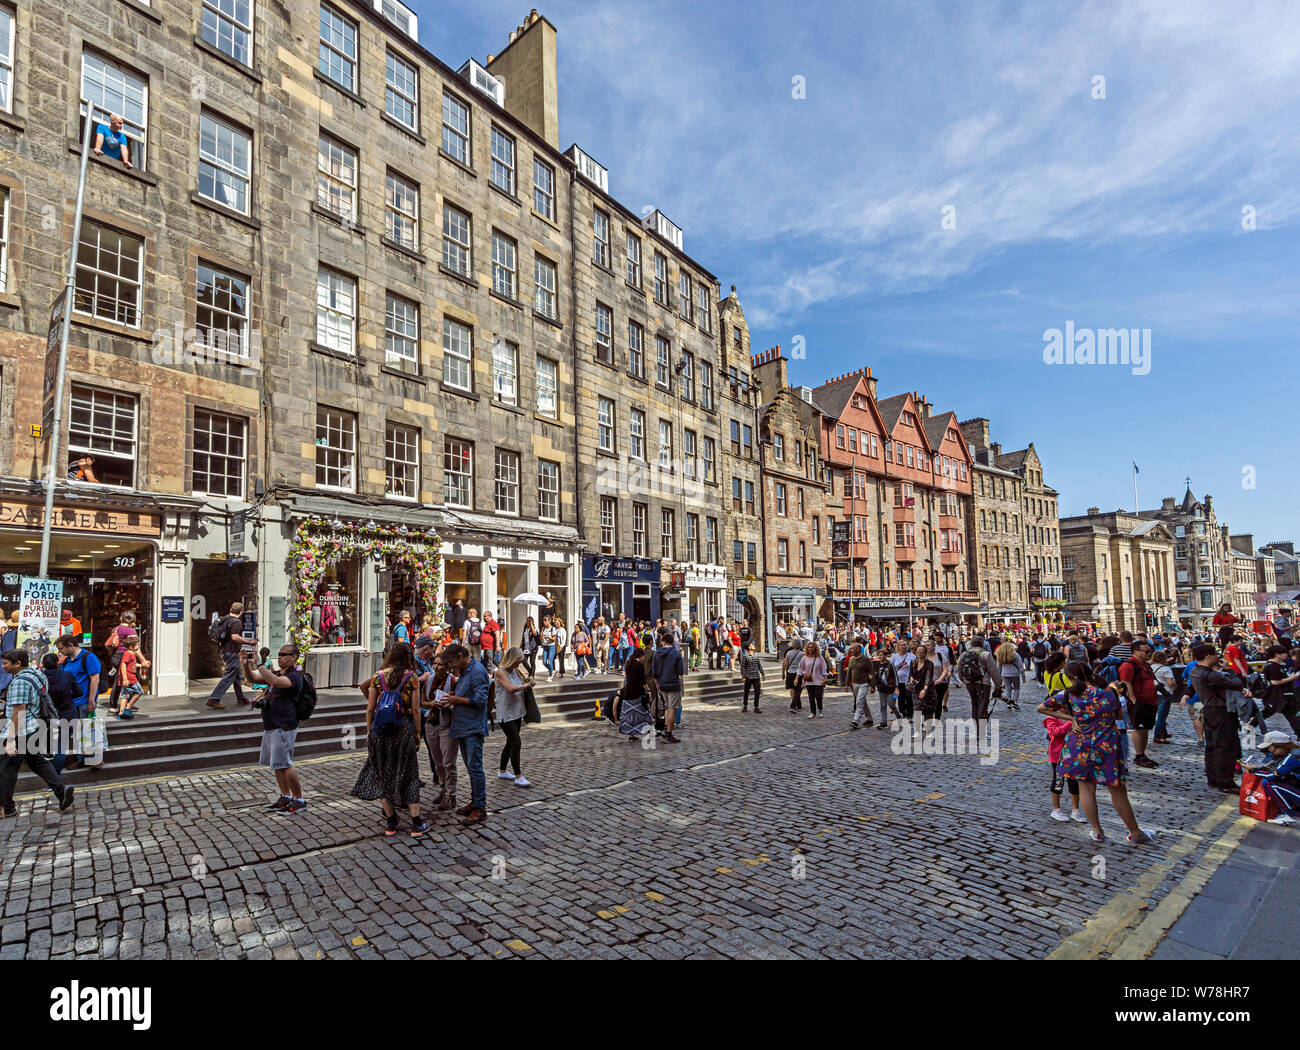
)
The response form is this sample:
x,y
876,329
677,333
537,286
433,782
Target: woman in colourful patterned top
x,y
1091,754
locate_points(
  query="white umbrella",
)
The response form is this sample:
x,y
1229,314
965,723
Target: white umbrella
x,y
530,598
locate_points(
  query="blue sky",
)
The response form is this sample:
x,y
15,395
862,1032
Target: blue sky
x,y
1115,212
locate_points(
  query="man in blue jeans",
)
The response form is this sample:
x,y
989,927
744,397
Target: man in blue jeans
x,y
85,668
469,725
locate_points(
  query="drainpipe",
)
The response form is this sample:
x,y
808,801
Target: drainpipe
x,y
573,343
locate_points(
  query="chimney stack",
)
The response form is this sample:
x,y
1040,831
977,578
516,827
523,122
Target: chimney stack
x,y
769,364
1093,511
527,66
1169,503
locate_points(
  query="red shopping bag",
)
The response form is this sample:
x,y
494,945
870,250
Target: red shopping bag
x,y
1255,801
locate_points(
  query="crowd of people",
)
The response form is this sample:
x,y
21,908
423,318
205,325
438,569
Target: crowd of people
x,y
448,685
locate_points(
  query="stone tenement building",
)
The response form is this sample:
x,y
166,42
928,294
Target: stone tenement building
x,y
901,479
1023,546
794,512
347,298
1201,556
1119,571
741,473
1286,565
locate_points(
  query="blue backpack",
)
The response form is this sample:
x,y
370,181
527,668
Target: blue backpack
x,y
388,710
1108,671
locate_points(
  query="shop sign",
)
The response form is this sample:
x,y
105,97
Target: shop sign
x,y
677,581
39,607
79,519
1035,583
235,546
605,567
173,609
742,595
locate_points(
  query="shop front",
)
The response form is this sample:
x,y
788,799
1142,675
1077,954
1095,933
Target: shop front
x,y
700,593
790,604
630,586
113,555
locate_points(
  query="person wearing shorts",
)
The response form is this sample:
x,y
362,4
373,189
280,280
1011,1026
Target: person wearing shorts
x,y
280,724
1136,673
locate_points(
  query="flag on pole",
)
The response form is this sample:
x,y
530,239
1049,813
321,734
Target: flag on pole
x,y
1135,468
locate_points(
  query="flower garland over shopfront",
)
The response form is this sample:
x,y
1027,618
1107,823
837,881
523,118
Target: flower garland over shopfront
x,y
319,544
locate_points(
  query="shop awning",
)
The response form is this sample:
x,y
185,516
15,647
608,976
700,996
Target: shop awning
x,y
892,612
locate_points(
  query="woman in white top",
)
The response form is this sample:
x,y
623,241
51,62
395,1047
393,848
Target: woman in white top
x,y
548,647
561,645
512,680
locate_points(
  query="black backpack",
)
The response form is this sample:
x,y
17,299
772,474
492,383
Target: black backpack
x,y
306,701
1040,651
219,630
969,667
887,678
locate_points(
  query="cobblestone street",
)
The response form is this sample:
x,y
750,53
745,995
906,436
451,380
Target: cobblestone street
x,y
768,836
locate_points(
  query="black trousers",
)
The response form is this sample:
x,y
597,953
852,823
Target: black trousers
x,y
979,702
531,660
905,705
510,753
38,764
815,697
757,685
1222,745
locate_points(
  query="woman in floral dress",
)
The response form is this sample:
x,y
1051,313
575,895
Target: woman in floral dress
x,y
1092,754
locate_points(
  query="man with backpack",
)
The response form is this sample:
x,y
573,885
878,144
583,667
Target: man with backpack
x,y
979,673
227,632
474,634
1040,653
289,700
1141,680
488,640
84,666
29,714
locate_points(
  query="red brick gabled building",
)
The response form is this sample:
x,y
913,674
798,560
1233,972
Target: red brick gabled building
x,y
901,477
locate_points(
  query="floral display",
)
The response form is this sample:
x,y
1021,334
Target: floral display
x,y
318,544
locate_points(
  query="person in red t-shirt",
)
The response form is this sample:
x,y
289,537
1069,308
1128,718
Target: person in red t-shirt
x,y
1234,657
490,641
1137,675
1224,621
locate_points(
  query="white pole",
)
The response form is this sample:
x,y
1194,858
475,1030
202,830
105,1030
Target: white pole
x,y
68,292
1136,505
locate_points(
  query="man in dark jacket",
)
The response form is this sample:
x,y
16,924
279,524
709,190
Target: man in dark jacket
x,y
667,669
1222,728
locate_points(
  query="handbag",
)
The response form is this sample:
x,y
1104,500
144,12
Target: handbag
x,y
532,713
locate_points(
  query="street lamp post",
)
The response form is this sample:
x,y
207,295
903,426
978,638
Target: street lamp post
x,y
69,284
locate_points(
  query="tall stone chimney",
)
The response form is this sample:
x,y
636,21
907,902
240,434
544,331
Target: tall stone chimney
x,y
976,432
770,371
1169,503
527,66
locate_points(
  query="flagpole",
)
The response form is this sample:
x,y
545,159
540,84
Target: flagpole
x,y
1136,505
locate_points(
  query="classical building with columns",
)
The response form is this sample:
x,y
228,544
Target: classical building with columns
x,y
1119,571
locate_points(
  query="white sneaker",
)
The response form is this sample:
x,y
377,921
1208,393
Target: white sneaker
x,y
1060,814
505,775
522,782
1077,815
812,714
1283,819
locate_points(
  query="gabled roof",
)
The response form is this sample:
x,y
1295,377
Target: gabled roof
x,y
1147,527
1189,501
891,408
1013,460
835,396
936,428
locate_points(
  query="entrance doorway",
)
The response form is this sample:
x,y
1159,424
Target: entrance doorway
x,y
512,580
214,587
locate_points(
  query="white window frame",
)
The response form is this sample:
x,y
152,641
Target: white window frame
x,y
633,259
121,307
220,19
222,162
635,350
456,250
130,102
336,302
402,210
236,346
608,524
548,388
640,521
636,433
338,439
334,46
704,308
7,61
665,443
600,253
337,170
401,442
454,454
663,363
604,334
4,238
506,466
548,490
667,534
545,282
690,455
505,264
606,416
401,89
104,437
457,354
661,278
505,371
687,304
401,329
710,459
233,466
504,155
453,135
543,189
